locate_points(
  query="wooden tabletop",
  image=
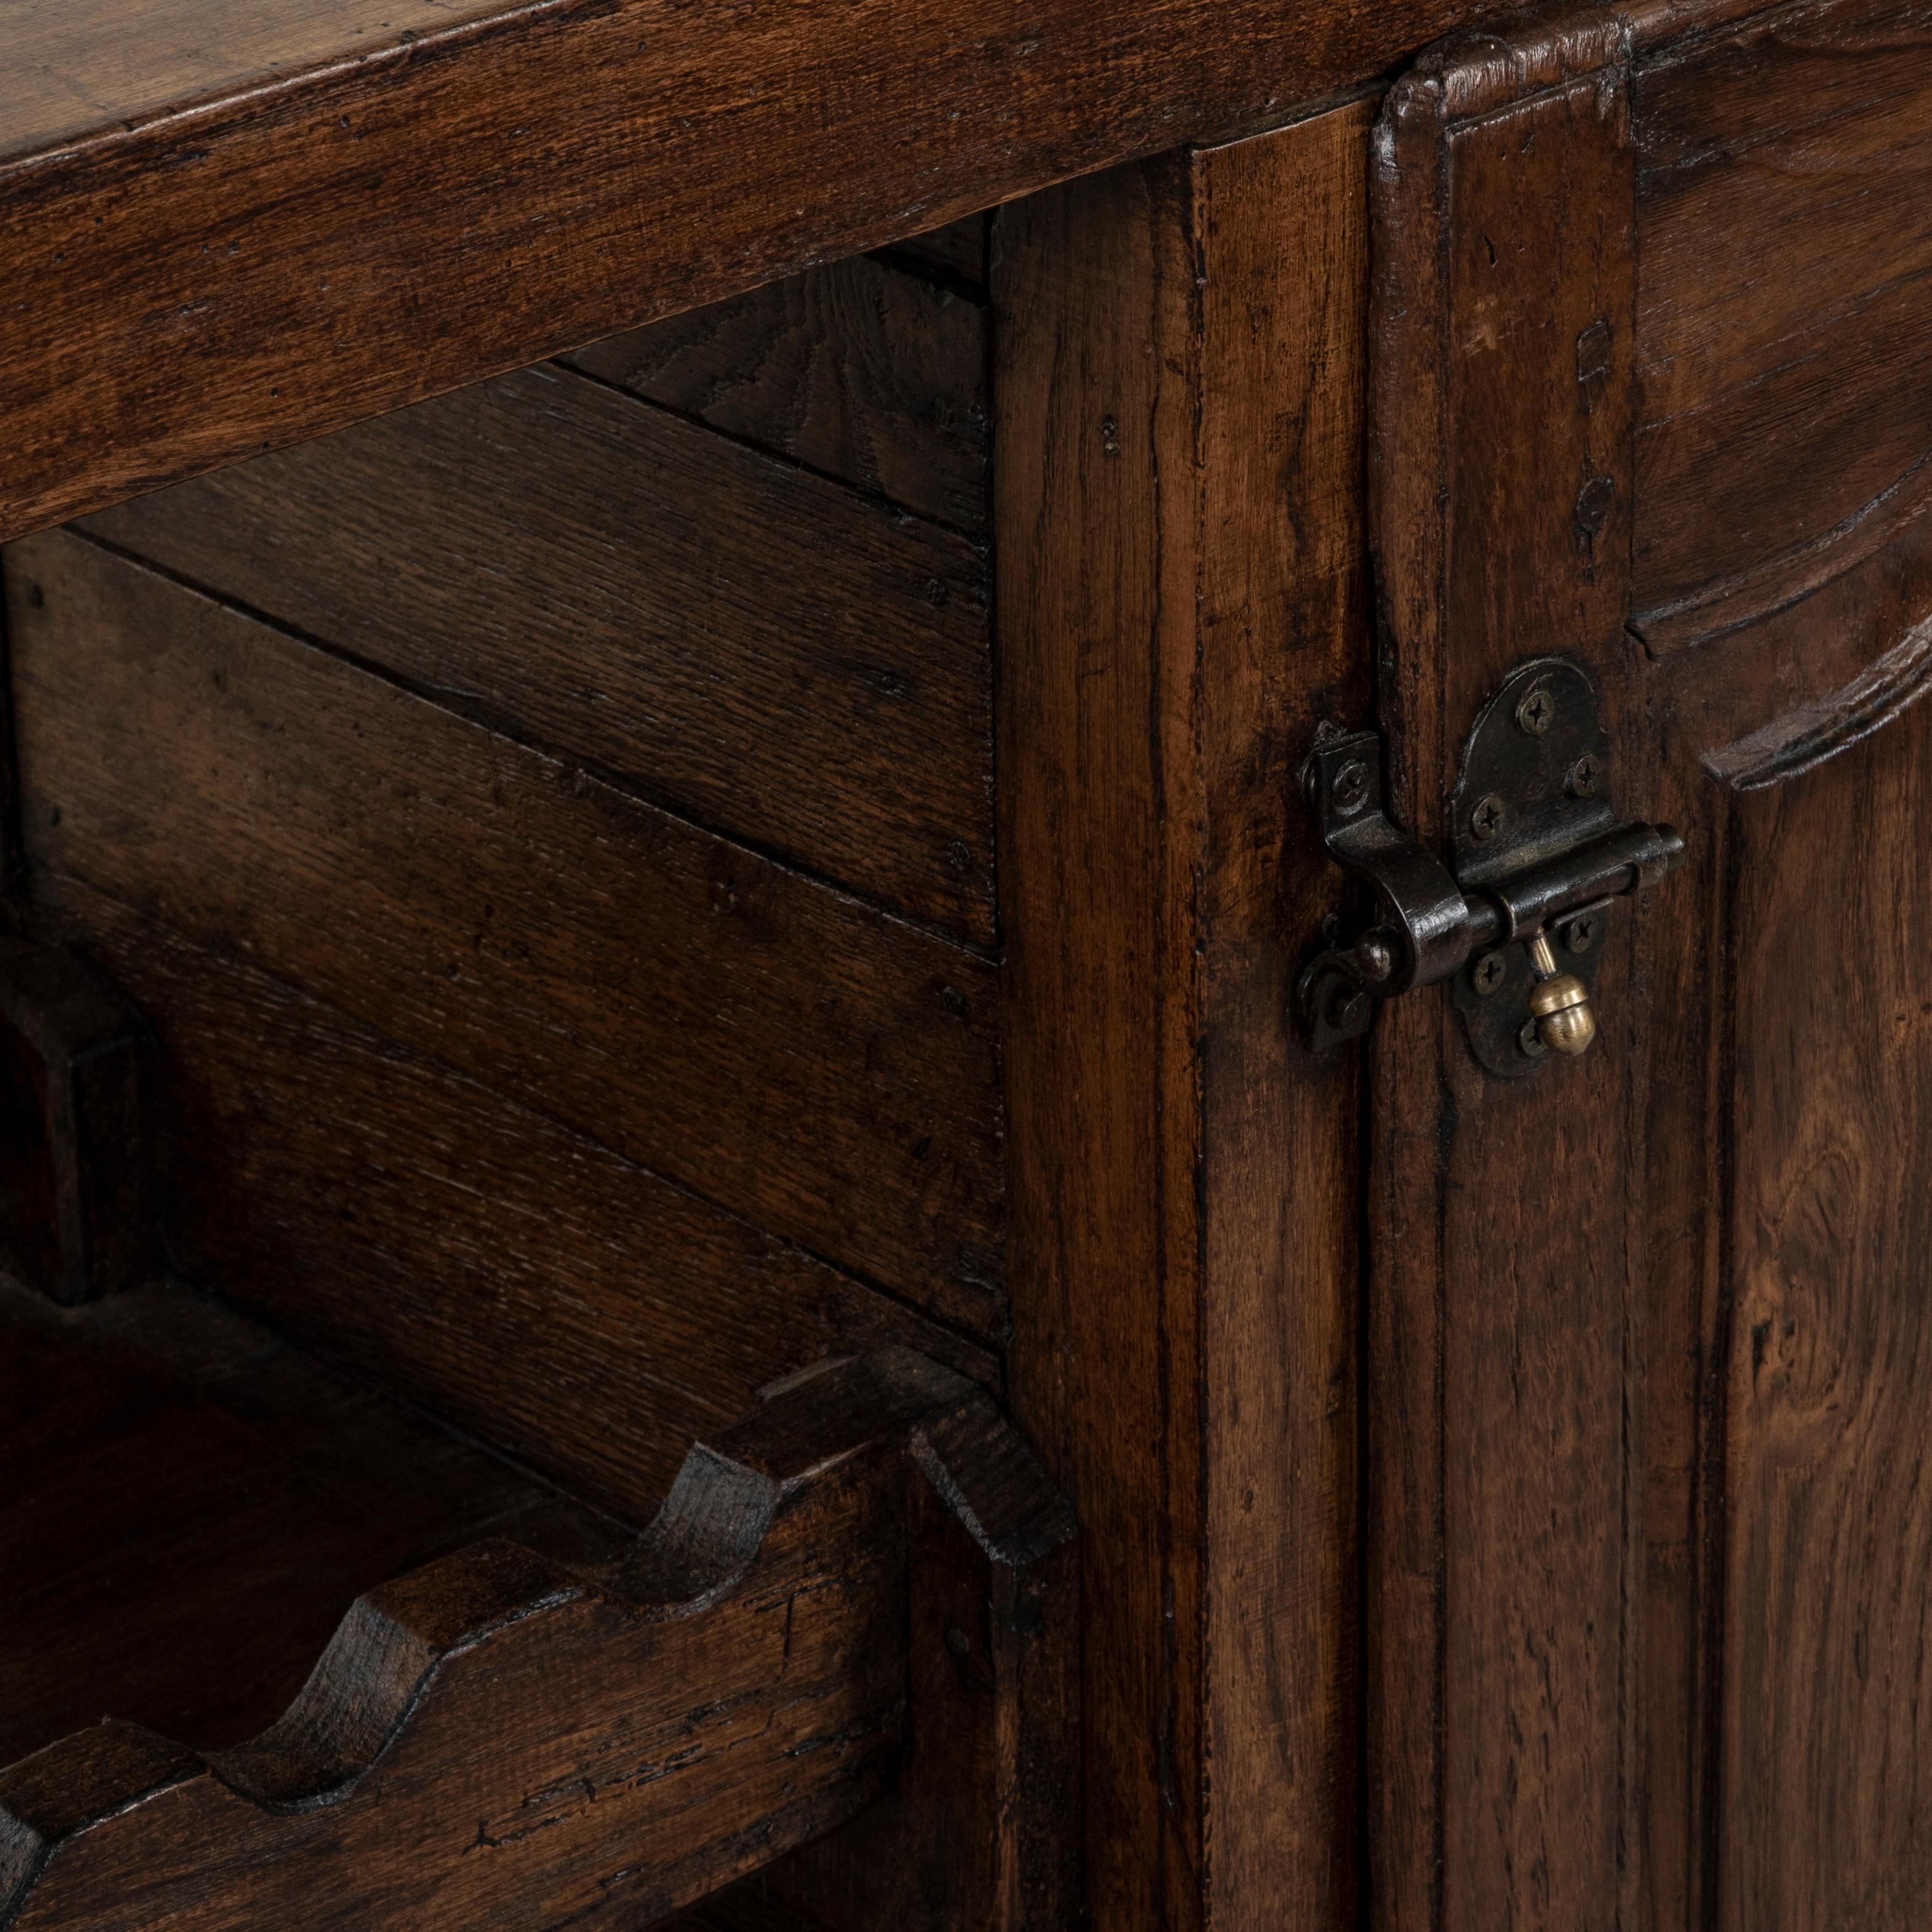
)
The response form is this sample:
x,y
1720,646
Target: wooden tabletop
x,y
231,224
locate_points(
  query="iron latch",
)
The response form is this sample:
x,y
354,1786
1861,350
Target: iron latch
x,y
1514,919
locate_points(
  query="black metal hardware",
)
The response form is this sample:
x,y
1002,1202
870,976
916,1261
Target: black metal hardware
x,y
1535,848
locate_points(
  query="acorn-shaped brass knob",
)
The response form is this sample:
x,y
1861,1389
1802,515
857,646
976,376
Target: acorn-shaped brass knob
x,y
1560,1003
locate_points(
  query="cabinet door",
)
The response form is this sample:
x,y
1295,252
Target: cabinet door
x,y
1650,1349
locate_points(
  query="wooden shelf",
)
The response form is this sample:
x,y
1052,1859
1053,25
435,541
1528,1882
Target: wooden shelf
x,y
235,227
274,1650
191,1506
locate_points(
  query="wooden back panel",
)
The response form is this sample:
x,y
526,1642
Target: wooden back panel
x,y
552,840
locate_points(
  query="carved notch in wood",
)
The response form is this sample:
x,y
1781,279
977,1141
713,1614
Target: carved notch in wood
x,y
74,1214
861,1599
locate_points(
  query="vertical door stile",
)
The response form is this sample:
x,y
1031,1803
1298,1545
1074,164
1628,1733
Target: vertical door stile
x,y
1503,1243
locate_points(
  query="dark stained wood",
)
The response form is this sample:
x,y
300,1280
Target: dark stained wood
x,y
501,1737
734,638
1692,1333
1178,438
223,251
59,88
860,369
705,1012
982,1829
1499,1224
1827,1443
1761,1065
190,1507
1782,319
75,1212
554,1299
958,252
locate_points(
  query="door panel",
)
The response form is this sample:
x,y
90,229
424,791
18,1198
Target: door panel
x,y
1826,1674
1650,1523
1784,307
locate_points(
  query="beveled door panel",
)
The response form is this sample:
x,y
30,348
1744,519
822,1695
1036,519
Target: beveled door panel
x,y
1650,1523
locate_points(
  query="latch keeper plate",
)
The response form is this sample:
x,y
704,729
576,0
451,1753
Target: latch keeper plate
x,y
1535,847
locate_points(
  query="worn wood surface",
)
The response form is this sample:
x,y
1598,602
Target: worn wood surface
x,y
501,1737
860,369
1177,448
555,1299
1766,1080
745,1032
982,1828
722,633
1719,1503
1498,1221
190,1507
228,233
1827,1543
1782,318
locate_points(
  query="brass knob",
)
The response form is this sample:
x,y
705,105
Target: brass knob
x,y
1560,1003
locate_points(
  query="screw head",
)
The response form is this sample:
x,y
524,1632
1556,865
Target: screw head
x,y
1537,711
1486,820
1531,1042
1488,972
1348,790
1586,775
1583,932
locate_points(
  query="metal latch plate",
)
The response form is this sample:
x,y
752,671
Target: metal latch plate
x,y
1535,785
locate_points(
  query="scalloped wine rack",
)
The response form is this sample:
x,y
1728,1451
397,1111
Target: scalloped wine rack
x,y
275,1652
855,1604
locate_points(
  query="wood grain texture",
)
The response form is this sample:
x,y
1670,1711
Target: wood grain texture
x,y
1785,252
345,221
1826,1821
1782,154
982,1829
191,1506
499,1738
1178,447
556,1300
1758,708
741,1030
731,638
1499,1751
1685,1281
859,370
58,87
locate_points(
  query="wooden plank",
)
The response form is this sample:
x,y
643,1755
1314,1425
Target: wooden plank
x,y
501,1738
552,1298
316,229
721,632
1759,1085
1504,1250
703,1012
1178,452
56,87
1783,318
1827,1443
859,370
